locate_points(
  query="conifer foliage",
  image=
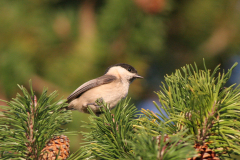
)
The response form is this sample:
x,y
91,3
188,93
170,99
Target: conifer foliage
x,y
198,119
110,134
199,101
197,109
28,123
119,136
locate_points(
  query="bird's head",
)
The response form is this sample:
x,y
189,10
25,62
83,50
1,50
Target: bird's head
x,y
123,71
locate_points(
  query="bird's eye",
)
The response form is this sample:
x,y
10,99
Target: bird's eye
x,y
129,69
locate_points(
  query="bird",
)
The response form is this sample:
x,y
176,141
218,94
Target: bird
x,y
110,88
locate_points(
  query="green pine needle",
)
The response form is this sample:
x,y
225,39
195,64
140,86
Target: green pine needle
x,y
199,101
27,123
162,146
109,133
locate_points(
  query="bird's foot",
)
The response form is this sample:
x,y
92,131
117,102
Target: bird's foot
x,y
97,106
99,100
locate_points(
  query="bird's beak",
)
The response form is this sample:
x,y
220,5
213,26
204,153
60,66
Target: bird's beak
x,y
137,76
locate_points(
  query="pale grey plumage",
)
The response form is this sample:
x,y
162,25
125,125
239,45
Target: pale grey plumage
x,y
111,87
89,85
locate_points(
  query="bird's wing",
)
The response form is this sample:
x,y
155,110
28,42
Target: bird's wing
x,y
89,85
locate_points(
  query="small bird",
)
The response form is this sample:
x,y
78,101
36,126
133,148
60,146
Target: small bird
x,y
110,88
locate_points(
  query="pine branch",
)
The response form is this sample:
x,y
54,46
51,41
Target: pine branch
x,y
195,108
198,100
28,123
109,133
116,137
162,146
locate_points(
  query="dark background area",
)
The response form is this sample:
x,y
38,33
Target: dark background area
x,y
61,44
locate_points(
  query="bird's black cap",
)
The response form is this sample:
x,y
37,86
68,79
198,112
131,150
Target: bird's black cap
x,y
128,67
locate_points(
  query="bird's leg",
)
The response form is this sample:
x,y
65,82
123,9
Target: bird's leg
x,y
96,105
99,100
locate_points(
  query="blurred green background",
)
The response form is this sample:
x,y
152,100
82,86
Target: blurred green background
x,y
61,44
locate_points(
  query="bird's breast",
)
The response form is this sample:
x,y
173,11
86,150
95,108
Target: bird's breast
x,y
115,93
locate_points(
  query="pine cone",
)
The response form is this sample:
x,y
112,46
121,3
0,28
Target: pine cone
x,y
204,153
57,147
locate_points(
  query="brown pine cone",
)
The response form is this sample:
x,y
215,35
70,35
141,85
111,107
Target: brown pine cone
x,y
56,148
204,153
